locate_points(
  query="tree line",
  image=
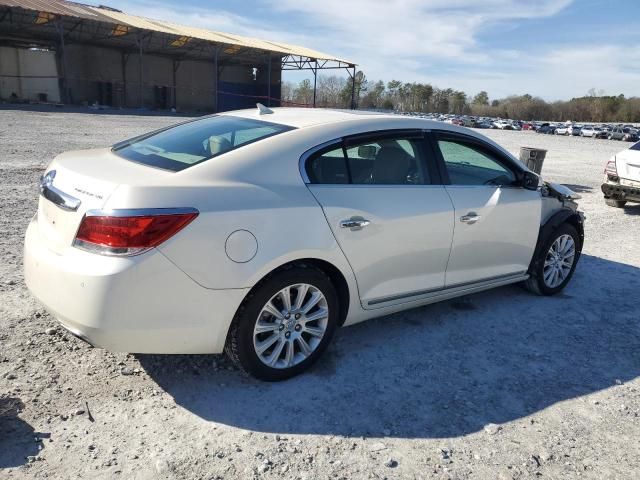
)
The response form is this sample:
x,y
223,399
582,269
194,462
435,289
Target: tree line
x,y
335,92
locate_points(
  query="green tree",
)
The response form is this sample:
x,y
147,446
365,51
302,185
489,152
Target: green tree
x,y
304,92
481,98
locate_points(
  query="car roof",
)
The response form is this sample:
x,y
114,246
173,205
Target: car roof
x,y
307,117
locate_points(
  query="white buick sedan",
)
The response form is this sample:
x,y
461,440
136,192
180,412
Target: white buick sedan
x,y
259,232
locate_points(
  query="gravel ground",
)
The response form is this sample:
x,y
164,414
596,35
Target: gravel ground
x,y
498,385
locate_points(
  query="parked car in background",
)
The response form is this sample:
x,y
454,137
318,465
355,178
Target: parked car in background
x,y
622,178
601,133
589,131
562,130
624,133
546,128
574,130
259,232
503,125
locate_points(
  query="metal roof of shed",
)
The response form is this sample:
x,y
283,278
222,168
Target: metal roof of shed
x,y
103,14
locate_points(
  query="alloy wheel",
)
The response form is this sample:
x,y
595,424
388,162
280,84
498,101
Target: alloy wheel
x,y
559,261
290,326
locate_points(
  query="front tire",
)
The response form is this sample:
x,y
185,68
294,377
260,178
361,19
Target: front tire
x,y
285,324
615,203
556,262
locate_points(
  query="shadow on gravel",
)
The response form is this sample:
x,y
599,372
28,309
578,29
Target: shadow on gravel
x,y
632,209
17,438
578,188
444,370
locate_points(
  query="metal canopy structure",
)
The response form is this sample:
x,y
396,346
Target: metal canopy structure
x,y
56,24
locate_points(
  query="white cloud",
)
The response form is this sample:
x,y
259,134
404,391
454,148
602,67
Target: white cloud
x,y
437,41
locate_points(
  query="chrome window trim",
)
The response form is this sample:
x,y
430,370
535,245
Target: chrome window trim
x,y
340,142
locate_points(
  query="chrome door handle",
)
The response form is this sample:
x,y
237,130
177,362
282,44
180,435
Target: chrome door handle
x,y
470,218
354,223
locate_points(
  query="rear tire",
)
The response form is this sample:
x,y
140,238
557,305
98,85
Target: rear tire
x,y
615,203
556,262
272,338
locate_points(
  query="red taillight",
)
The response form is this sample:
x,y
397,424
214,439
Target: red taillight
x,y
610,169
129,233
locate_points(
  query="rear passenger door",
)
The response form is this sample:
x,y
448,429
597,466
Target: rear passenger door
x,y
387,209
496,220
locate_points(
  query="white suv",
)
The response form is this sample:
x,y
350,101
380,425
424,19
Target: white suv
x,y
622,178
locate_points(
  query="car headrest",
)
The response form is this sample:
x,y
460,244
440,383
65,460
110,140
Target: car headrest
x,y
391,166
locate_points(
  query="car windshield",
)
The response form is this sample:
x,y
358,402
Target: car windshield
x,y
190,143
635,146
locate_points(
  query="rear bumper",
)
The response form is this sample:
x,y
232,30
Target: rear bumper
x,y
621,192
142,304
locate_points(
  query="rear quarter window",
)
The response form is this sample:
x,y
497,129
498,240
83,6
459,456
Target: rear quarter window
x,y
190,143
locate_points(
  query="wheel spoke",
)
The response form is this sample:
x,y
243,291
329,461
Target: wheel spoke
x,y
300,296
261,347
313,301
285,296
305,348
317,315
547,276
288,358
315,331
264,327
270,308
277,351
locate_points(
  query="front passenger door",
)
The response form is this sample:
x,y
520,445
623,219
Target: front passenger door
x,y
496,222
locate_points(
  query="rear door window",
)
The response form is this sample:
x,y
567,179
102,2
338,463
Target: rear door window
x,y
387,159
391,161
187,144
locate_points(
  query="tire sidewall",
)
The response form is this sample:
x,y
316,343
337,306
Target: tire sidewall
x,y
248,315
564,229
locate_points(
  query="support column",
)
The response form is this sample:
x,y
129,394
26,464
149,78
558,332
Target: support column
x,y
215,79
123,62
176,65
141,76
353,89
315,82
62,62
269,82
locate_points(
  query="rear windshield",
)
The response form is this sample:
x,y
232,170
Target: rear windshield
x,y
187,144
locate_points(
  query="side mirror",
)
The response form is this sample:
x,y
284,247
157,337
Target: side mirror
x,y
530,180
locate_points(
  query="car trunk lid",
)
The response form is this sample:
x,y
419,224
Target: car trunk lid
x,y
628,167
76,182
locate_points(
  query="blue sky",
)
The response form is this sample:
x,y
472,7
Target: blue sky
x,y
555,49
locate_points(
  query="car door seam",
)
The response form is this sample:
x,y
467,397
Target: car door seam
x,y
324,214
453,233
